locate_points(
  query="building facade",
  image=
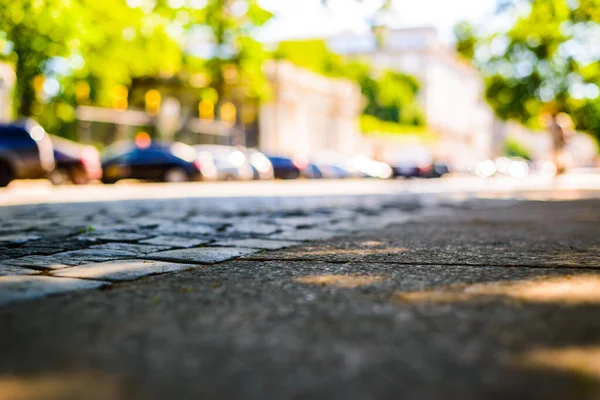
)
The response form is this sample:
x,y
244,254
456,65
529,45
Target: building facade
x,y
309,113
451,91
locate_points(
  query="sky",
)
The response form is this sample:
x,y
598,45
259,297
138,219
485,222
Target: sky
x,y
309,18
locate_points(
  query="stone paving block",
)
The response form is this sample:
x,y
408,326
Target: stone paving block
x,y
174,241
184,229
122,236
140,249
264,244
145,222
345,225
10,270
121,270
252,228
70,258
210,220
202,255
317,220
18,288
18,238
43,262
305,234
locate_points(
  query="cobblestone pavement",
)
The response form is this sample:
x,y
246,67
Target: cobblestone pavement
x,y
56,248
477,299
61,247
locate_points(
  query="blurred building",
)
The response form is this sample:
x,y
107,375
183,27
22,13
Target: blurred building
x,y
309,113
451,90
7,85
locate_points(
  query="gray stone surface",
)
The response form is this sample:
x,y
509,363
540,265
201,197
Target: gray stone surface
x,y
482,299
70,258
19,288
18,238
202,255
306,220
174,241
252,227
526,234
122,236
139,249
40,262
263,244
304,235
8,270
261,330
121,270
185,229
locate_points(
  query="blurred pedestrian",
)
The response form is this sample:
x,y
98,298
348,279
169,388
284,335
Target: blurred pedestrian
x,y
560,127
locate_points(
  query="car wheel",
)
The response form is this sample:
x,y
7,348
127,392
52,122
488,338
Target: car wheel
x,y
175,175
6,174
78,176
59,176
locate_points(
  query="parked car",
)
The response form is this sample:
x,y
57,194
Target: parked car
x,y
284,167
311,171
308,169
261,166
336,165
75,162
439,169
166,162
333,171
369,168
25,152
231,162
412,163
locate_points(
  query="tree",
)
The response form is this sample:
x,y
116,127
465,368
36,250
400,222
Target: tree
x,y
544,66
33,33
102,42
238,58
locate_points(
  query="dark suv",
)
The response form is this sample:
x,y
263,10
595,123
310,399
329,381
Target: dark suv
x,y
25,152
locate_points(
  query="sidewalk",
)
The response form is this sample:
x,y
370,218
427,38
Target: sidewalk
x,y
481,299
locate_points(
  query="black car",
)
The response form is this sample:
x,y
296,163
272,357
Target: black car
x,y
284,168
439,169
287,168
25,152
163,162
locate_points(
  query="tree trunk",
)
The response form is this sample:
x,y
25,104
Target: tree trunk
x,y
24,92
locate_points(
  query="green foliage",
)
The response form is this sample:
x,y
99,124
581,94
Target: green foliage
x,y
466,39
33,32
231,24
313,55
546,63
393,97
390,96
513,148
108,43
371,124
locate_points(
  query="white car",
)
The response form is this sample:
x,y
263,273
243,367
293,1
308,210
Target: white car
x,y
231,162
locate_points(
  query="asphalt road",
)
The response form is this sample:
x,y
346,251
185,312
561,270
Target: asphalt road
x,y
571,186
